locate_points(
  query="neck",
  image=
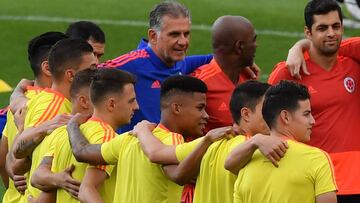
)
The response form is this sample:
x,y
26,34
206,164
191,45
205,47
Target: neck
x,y
230,67
168,64
62,87
105,117
326,62
41,81
244,129
170,123
281,132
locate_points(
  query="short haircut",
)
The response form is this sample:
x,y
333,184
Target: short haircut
x,y
171,8
67,53
81,80
283,96
109,81
39,47
86,30
180,84
320,7
248,95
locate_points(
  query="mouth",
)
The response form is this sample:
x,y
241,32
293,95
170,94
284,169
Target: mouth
x,y
331,42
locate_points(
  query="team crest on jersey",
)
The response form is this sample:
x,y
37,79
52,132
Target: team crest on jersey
x,y
349,84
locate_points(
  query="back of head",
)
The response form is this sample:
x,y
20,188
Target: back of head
x,y
39,47
320,7
248,95
226,30
179,85
169,8
82,79
86,30
283,96
109,81
67,54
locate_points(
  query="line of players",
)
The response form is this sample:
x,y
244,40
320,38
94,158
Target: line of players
x,y
144,165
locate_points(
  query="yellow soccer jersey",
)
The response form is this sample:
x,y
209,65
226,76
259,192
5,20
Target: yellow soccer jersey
x,y
96,132
139,180
10,131
303,173
214,183
43,107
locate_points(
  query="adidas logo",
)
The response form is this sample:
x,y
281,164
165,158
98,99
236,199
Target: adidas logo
x,y
156,84
223,107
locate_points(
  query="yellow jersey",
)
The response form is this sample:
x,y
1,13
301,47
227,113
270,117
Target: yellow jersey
x,y
303,173
139,180
43,107
96,132
214,183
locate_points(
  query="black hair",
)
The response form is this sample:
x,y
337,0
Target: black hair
x,y
67,53
39,47
180,84
86,30
108,81
283,96
248,95
81,80
320,7
172,8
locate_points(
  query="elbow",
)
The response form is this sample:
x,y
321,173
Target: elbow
x,y
229,166
79,156
180,179
153,157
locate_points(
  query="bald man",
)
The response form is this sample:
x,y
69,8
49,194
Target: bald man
x,y
234,46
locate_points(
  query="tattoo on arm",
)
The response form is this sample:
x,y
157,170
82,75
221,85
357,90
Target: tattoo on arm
x,y
24,148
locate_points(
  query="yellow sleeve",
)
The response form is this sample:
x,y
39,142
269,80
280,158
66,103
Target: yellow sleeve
x,y
183,150
323,174
110,151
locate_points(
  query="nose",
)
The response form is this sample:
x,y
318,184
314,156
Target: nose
x,y
136,106
312,120
183,40
331,32
205,115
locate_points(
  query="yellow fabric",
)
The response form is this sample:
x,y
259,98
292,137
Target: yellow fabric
x,y
43,107
10,131
303,173
214,183
139,180
96,132
4,87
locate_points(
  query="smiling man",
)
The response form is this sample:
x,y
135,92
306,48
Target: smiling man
x,y
304,173
335,96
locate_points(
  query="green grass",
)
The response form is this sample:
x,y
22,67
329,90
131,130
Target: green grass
x,y
278,15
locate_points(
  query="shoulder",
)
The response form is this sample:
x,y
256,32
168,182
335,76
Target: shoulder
x,y
280,72
127,59
205,72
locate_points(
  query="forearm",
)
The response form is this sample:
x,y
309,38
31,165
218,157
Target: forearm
x,y
16,166
240,156
89,194
82,149
28,140
301,45
44,179
190,166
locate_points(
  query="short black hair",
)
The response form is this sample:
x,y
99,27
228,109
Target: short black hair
x,y
39,47
180,84
283,96
108,81
67,53
86,30
247,94
320,7
81,80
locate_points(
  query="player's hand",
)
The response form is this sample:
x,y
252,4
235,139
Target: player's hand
x,y
79,119
142,128
20,183
219,133
295,60
66,182
274,148
19,118
57,121
252,71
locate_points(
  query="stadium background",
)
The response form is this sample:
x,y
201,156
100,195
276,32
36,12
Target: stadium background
x,y
279,24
